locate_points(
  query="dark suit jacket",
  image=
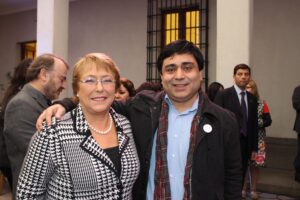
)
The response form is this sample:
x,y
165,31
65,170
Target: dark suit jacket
x,y
229,100
296,105
20,117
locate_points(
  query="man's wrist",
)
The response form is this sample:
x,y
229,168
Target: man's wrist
x,y
67,103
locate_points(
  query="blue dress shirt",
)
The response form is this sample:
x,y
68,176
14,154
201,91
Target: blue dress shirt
x,y
179,127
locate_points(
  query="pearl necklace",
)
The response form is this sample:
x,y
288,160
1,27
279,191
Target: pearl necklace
x,y
102,132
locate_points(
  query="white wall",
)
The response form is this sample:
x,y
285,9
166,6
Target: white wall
x,y
275,59
117,28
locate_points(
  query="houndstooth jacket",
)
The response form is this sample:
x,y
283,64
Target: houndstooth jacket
x,y
65,162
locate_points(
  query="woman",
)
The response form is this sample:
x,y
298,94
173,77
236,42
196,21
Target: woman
x,y
264,120
16,84
126,90
90,153
213,89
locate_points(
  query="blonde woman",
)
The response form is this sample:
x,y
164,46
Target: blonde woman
x,y
264,120
90,153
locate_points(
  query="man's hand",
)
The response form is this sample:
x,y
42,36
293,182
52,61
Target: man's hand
x,y
55,110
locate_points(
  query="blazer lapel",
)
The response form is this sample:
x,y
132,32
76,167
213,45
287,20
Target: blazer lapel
x,y
90,145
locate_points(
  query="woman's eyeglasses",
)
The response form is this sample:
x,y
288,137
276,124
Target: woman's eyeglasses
x,y
106,81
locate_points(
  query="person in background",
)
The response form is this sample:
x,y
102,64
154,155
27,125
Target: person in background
x,y
46,78
157,87
126,90
244,105
17,82
90,153
296,105
264,120
213,89
188,147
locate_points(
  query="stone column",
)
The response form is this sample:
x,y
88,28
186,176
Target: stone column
x,y
53,30
233,33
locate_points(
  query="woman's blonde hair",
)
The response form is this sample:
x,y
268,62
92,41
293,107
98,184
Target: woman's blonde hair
x,y
254,87
98,60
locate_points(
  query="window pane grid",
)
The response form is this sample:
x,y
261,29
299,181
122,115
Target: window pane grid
x,y
169,20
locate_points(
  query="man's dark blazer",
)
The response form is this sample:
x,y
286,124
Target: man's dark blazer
x,y
296,105
229,100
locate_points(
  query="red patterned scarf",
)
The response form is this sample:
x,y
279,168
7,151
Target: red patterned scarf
x,y
162,189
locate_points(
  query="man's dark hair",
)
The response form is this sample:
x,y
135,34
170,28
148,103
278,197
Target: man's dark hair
x,y
150,86
45,61
180,47
241,66
16,83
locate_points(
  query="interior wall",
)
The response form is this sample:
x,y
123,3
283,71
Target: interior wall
x,y
112,27
275,59
117,28
14,28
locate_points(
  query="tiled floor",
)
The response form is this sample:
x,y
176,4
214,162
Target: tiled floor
x,y
268,196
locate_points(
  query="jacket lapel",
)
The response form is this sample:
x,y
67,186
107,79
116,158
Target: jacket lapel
x,y
90,145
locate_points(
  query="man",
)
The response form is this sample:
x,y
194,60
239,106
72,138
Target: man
x,y
244,105
188,147
46,78
296,105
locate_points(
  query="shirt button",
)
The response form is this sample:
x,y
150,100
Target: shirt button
x,y
173,155
171,175
175,136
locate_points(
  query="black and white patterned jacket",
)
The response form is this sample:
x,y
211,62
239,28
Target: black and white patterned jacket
x,y
65,162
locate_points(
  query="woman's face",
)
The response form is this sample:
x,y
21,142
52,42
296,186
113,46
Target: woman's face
x,y
122,93
96,90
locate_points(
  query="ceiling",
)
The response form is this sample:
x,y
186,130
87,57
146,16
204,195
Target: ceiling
x,y
13,6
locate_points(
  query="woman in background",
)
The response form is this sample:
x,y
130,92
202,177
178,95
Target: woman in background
x,y
90,153
126,90
264,120
17,82
213,89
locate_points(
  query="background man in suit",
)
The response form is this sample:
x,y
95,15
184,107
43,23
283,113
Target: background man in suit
x,y
232,99
296,105
46,78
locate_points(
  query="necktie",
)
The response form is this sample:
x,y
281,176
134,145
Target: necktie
x,y
244,112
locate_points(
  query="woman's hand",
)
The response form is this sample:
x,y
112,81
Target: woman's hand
x,y
55,110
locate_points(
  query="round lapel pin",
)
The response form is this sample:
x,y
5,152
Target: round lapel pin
x,y
207,128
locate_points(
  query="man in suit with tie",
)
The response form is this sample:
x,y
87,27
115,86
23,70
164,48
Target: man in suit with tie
x,y
244,105
46,78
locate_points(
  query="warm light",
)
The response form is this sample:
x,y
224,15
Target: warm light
x,y
171,27
192,27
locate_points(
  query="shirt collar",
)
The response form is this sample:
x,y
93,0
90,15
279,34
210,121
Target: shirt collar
x,y
193,108
238,90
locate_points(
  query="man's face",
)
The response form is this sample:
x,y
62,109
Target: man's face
x,y
242,78
181,78
57,80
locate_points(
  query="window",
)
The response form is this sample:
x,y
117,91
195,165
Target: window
x,y
181,24
28,50
169,20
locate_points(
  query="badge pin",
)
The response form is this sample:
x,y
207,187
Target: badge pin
x,y
207,128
